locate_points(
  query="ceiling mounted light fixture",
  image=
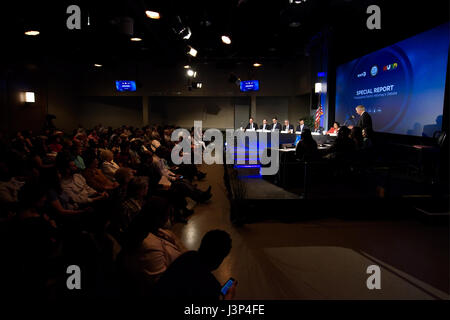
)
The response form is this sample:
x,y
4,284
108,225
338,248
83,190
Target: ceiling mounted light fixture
x,y
256,64
192,51
197,85
181,29
190,73
226,39
152,14
187,33
98,65
136,39
32,33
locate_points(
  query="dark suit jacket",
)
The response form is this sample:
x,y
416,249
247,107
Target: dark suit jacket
x,y
365,122
277,126
255,126
291,127
268,126
304,127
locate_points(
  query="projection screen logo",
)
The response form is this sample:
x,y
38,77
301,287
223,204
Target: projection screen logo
x,y
238,143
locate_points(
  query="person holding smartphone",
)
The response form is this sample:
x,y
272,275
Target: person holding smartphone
x,y
190,275
229,289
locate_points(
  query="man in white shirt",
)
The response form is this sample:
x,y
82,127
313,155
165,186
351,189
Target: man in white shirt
x,y
275,124
288,127
75,186
265,125
251,125
301,126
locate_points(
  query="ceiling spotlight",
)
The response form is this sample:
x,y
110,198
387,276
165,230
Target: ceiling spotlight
x,y
190,73
256,64
192,52
226,39
187,32
152,14
294,24
197,85
187,66
98,65
136,39
32,32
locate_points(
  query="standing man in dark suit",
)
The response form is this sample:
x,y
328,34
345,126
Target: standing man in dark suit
x,y
265,125
364,121
251,124
275,124
287,126
301,126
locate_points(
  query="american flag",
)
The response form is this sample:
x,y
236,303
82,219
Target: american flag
x,y
319,113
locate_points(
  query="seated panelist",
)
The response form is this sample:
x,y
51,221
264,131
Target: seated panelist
x,y
251,125
301,126
265,125
287,126
334,129
275,125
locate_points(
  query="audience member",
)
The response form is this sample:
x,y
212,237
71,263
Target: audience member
x,y
150,246
357,137
137,192
109,167
95,177
190,277
306,148
367,142
343,147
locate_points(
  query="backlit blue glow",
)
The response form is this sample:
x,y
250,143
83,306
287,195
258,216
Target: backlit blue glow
x,y
240,166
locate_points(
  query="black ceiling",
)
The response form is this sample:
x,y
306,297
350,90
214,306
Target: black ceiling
x,y
260,30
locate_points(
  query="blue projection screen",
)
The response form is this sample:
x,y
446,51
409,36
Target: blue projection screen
x,y
250,85
401,86
125,85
